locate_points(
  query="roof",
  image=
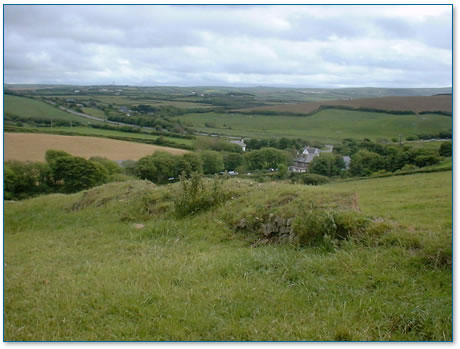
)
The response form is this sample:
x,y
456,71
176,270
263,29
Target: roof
x,y
306,158
240,143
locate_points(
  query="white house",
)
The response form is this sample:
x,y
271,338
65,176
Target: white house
x,y
240,143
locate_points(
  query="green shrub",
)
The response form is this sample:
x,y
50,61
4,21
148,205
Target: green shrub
x,y
73,174
196,196
311,179
111,166
445,149
314,227
426,160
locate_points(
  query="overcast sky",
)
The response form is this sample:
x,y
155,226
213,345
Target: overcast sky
x,y
295,46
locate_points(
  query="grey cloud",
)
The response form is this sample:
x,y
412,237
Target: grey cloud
x,y
268,45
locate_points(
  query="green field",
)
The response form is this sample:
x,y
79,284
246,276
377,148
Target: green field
x,y
131,101
78,268
33,109
113,133
327,126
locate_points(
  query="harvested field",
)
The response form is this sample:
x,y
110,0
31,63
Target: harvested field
x,y
416,104
32,147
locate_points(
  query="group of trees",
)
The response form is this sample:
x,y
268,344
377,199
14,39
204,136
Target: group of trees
x,y
162,167
282,143
61,172
368,157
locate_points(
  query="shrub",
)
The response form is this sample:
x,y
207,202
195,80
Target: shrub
x,y
426,160
195,196
51,155
111,166
212,162
313,179
445,149
73,174
313,227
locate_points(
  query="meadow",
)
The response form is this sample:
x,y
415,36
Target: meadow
x,y
416,104
33,146
35,109
115,263
89,131
330,125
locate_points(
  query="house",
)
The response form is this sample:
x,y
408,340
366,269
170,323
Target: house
x,y
306,157
240,143
124,109
347,160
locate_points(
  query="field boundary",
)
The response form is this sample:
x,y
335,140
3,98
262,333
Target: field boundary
x,y
13,129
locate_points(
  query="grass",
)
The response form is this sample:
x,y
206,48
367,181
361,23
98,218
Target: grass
x,y
77,267
328,125
30,108
108,133
414,104
132,101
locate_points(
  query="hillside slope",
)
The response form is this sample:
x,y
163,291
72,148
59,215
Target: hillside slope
x,y
115,263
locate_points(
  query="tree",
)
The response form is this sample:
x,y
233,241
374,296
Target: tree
x,y
158,167
327,165
196,164
426,160
52,155
265,158
445,149
232,161
73,174
365,162
212,162
111,166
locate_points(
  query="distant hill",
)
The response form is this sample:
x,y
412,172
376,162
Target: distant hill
x,y
416,104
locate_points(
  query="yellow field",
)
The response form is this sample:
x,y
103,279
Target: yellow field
x,y
33,146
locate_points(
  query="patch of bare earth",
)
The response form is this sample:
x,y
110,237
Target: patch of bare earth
x,y
33,146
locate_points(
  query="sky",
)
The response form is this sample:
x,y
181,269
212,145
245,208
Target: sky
x,y
286,46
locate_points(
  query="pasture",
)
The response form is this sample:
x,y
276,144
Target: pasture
x,y
330,125
34,109
89,131
80,267
33,146
415,104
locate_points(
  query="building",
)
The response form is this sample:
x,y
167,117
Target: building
x,y
347,160
240,143
306,157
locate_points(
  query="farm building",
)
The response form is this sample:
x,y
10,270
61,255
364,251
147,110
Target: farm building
x,y
240,143
306,157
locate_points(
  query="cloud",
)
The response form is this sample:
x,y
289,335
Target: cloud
x,y
302,45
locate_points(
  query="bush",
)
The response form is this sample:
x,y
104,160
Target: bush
x,y
426,160
312,179
445,149
212,162
72,174
111,166
195,196
314,227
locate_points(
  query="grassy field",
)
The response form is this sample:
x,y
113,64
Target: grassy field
x,y
30,108
81,267
415,104
33,146
327,126
129,101
108,133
